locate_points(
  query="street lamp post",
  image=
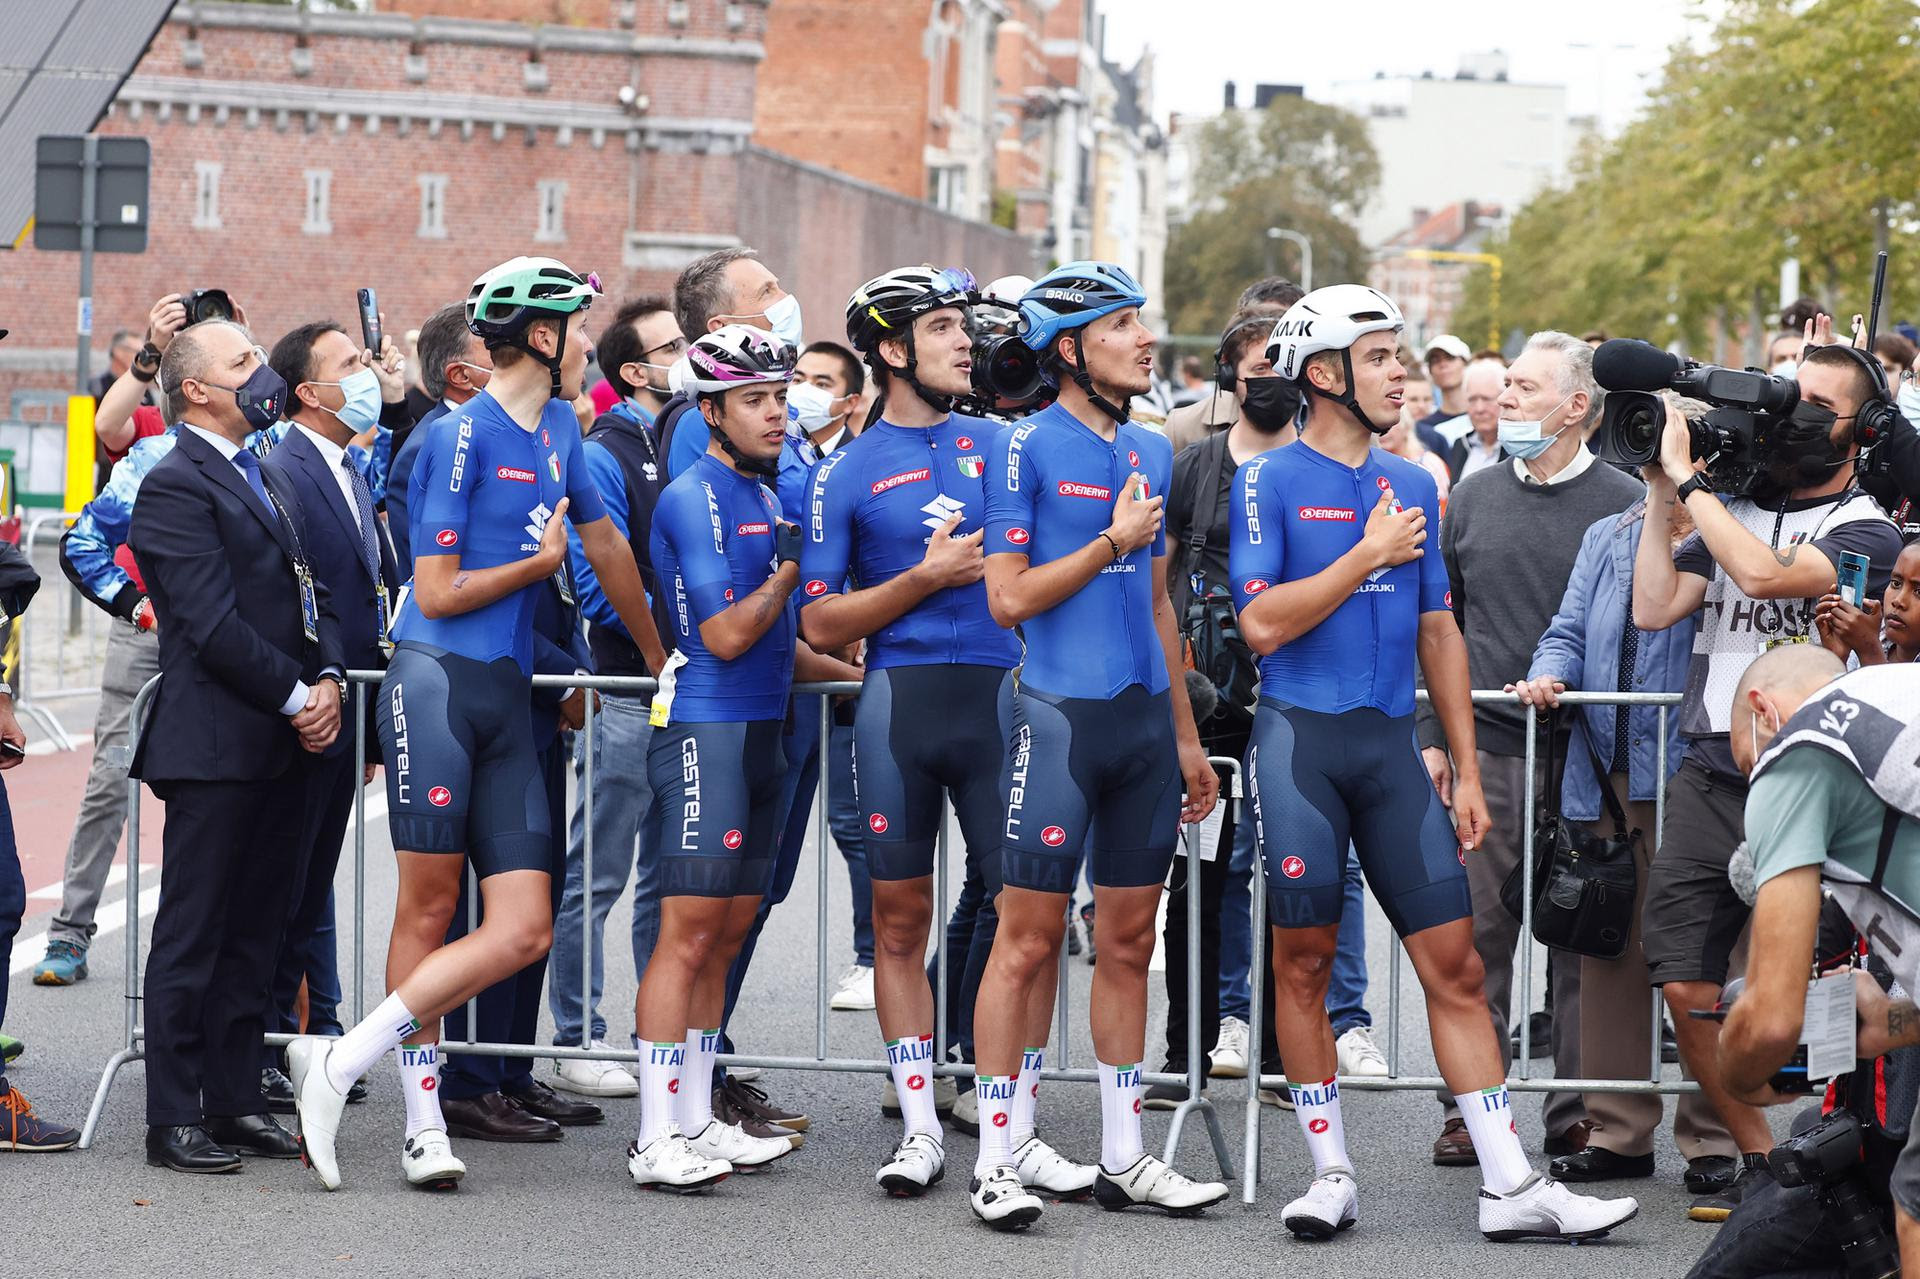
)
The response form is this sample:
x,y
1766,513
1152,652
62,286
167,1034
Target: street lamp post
x,y
1300,242
1489,260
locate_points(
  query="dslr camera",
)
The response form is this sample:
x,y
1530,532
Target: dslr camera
x,y
1827,1159
1006,371
1734,438
206,304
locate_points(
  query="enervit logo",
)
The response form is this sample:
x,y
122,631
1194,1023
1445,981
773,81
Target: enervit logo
x,y
731,839
1071,488
878,822
904,477
459,475
1257,585
1053,837
941,509
964,443
1018,536
1335,514
816,587
690,795
439,797
748,530
446,537
1293,867
515,474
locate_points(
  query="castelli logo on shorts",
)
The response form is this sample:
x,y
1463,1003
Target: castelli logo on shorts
x,y
1337,514
1000,1119
964,443
1072,488
816,587
1293,868
1257,585
1317,1126
1383,482
515,474
1053,837
1133,458
1018,536
879,823
905,477
446,537
439,797
731,839
916,1082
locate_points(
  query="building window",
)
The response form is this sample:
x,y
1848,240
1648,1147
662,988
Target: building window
x,y
319,219
553,206
433,206
206,195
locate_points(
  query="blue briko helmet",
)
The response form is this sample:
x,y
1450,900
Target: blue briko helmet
x,y
1073,295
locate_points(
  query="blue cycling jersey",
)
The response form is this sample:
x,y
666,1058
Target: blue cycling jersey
x,y
1296,511
1051,486
483,488
873,505
712,547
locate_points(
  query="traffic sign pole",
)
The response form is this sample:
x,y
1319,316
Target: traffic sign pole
x,y
89,178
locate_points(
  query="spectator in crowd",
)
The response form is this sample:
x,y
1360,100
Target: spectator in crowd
x,y
1219,408
1543,500
455,367
622,454
21,1131
1896,355
253,644
126,413
1418,402
1796,325
1886,630
1592,645
1479,447
1446,358
1758,569
1402,440
1594,337
834,369
1192,380
724,287
334,393
120,352
1418,399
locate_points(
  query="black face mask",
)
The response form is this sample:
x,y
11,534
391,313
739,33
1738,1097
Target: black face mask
x,y
1272,404
1801,452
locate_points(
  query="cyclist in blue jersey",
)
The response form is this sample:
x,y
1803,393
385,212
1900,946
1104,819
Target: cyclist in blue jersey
x,y
1337,594
454,714
728,563
893,556
1101,739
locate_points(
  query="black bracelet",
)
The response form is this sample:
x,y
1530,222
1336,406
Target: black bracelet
x,y
1110,542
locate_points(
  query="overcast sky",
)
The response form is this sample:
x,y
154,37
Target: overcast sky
x,y
1316,42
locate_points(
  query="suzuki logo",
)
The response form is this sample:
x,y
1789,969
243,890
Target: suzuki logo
x,y
941,509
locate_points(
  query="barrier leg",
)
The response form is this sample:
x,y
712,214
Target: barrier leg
x,y
360,863
1256,1033
1195,1101
821,836
131,1051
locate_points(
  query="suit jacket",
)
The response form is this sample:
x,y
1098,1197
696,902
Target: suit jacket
x,y
399,497
219,568
333,551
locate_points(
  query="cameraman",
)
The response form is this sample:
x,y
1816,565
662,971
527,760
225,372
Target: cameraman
x,y
1758,565
1832,799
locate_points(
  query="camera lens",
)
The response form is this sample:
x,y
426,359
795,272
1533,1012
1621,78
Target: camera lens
x,y
1007,368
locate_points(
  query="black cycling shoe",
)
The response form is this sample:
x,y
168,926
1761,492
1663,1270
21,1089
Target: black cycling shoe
x,y
1710,1174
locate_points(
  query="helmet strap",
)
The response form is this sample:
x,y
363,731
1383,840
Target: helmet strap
x,y
766,467
1346,398
934,400
552,362
1084,380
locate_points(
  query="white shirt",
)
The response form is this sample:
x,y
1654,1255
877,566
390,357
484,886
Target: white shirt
x,y
334,455
1479,456
1573,470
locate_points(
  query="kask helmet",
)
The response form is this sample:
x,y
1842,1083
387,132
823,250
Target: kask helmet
x,y
1332,319
887,305
733,356
504,301
1071,297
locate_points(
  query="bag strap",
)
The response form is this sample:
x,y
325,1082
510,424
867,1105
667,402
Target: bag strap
x,y
1889,827
1202,529
1603,775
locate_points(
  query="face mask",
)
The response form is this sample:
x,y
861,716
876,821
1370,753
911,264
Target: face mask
x,y
783,320
1272,404
1802,452
809,407
360,411
1909,401
1786,368
485,375
260,397
1525,439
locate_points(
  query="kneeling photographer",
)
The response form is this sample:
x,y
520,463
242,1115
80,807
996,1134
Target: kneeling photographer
x,y
1834,805
1768,478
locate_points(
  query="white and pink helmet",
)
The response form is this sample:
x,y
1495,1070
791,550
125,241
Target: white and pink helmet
x,y
734,356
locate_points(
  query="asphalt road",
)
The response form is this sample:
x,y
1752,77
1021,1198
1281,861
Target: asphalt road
x,y
569,1208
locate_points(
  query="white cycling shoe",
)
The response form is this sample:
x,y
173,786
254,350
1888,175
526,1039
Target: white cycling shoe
x,y
1542,1208
734,1145
429,1162
318,1104
669,1162
917,1164
1331,1204
1002,1202
1151,1183
1041,1167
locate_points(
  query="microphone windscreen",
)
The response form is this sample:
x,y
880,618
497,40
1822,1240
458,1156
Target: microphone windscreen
x,y
1627,364
1204,696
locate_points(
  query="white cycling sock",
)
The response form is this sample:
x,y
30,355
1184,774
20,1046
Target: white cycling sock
x,y
1489,1116
1120,1146
1026,1097
660,1081
695,1100
1317,1106
996,1103
420,1085
355,1052
910,1058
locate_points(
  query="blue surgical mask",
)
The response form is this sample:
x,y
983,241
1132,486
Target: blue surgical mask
x,y
1525,439
783,320
361,410
809,407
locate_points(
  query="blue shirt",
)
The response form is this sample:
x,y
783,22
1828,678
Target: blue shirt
x,y
612,483
1296,511
483,488
712,547
873,506
1051,487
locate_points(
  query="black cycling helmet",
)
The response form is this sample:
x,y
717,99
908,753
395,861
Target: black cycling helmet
x,y
886,307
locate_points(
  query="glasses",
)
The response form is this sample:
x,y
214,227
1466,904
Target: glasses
x,y
677,347
955,279
593,282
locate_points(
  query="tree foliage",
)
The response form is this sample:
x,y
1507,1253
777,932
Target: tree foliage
x,y
1305,166
1790,130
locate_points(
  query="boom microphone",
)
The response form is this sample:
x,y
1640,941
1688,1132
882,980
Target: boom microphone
x,y
1628,364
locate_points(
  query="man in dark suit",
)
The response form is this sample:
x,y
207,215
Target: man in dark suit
x,y
251,685
454,367
334,393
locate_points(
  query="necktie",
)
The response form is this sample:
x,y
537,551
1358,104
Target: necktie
x,y
1629,659
249,467
363,507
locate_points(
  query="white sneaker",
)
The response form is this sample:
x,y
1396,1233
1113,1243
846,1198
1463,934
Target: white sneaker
x,y
1331,1204
594,1078
1359,1055
1002,1202
745,1074
916,1164
429,1162
854,994
736,1146
1542,1208
1041,1167
1150,1182
318,1104
671,1163
946,1091
965,1112
1230,1053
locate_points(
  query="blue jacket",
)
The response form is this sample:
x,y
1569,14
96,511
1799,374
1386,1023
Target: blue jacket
x,y
1581,649
399,501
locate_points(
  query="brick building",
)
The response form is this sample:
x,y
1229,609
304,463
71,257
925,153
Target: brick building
x,y
1429,291
300,155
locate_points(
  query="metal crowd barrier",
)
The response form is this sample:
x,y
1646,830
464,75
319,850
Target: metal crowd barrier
x,y
1196,1101
50,655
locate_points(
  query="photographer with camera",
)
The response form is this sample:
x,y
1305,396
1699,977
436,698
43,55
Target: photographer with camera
x,y
1758,563
1833,805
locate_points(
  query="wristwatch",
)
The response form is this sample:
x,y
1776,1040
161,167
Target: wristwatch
x,y
146,363
1695,483
143,617
339,681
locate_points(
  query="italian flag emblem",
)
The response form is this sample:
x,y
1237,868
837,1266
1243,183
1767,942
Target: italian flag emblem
x,y
553,466
973,467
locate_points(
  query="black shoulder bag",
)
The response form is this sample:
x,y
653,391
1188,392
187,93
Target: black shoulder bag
x,y
1211,626
1583,884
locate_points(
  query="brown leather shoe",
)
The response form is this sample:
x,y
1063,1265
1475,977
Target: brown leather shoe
x,y
734,1105
1454,1148
538,1099
746,1099
492,1117
1571,1142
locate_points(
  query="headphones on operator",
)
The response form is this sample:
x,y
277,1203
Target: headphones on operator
x,y
1878,416
1226,377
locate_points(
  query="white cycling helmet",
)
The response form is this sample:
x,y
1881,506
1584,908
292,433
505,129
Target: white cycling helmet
x,y
1332,319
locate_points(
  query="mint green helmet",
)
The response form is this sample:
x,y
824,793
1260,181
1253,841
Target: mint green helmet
x,y
504,301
